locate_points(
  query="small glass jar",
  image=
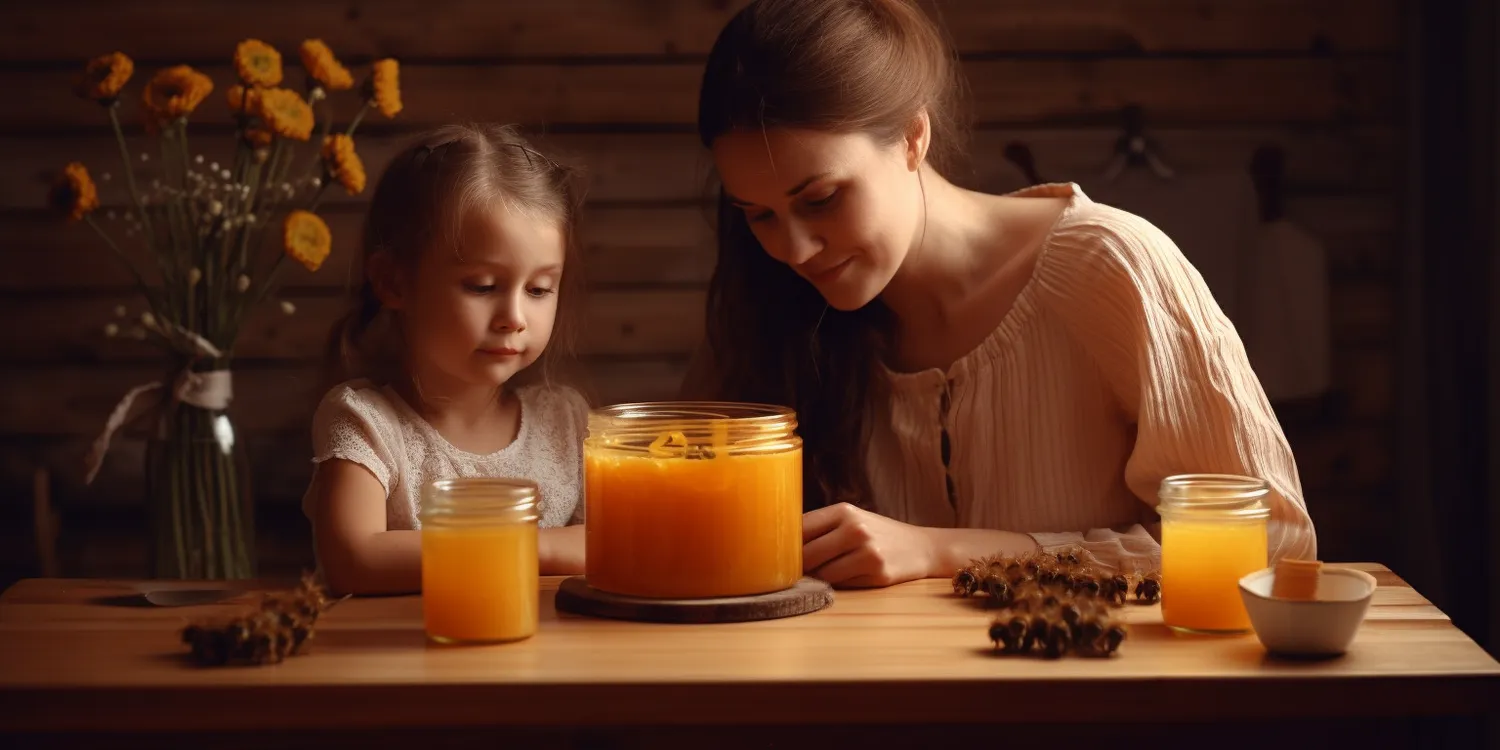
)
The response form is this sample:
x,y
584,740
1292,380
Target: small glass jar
x,y
479,559
691,500
1213,532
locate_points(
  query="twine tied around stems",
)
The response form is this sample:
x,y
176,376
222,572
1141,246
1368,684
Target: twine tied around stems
x,y
212,390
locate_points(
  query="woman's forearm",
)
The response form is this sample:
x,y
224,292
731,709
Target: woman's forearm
x,y
954,548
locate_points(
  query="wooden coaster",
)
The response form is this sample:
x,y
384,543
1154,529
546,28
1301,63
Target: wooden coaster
x,y
808,595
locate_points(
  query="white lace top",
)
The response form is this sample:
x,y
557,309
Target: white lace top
x,y
375,428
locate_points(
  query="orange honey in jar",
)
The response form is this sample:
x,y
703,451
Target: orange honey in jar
x,y
693,500
479,560
1213,532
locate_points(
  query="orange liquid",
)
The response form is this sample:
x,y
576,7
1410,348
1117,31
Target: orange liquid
x,y
480,583
1201,567
671,527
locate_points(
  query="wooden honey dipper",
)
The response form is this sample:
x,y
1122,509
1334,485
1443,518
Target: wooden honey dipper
x,y
1296,579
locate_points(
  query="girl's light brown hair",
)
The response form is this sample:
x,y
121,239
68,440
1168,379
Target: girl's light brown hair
x,y
419,206
846,66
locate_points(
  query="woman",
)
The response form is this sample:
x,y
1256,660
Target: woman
x,y
973,373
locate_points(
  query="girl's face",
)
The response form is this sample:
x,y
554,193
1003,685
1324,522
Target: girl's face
x,y
839,208
482,314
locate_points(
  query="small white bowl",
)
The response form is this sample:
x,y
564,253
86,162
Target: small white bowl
x,y
1321,627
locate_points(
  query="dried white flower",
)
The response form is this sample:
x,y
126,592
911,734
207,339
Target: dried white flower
x,y
194,276
249,218
225,174
213,166
242,283
287,307
145,156
148,320
316,94
198,159
215,208
317,181
111,330
104,177
119,311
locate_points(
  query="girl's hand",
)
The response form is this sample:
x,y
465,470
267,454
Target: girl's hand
x,y
847,546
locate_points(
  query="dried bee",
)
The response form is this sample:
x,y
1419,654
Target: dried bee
x,y
1009,634
1057,640
1115,589
1148,589
1070,614
965,583
1097,638
1000,591
1015,572
1087,585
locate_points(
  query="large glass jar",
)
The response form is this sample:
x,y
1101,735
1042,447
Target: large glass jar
x,y
693,499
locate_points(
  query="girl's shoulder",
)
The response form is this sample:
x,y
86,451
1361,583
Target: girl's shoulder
x,y
555,404
360,400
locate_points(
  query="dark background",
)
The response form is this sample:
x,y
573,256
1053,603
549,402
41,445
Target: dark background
x,y
1384,109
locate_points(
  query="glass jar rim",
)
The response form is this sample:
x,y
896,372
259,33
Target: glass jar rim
x,y
695,411
1219,494
692,429
476,497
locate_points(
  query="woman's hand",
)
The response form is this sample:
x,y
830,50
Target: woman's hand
x,y
847,546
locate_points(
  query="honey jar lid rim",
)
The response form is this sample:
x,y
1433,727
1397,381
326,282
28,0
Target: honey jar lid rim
x,y
1221,494
480,496
743,411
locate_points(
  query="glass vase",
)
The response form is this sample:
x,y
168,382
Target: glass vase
x,y
197,484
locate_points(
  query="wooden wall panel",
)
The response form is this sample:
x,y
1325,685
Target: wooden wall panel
x,y
63,32
611,86
665,167
1209,92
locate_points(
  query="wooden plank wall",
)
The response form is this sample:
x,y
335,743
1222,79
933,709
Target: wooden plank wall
x,y
613,84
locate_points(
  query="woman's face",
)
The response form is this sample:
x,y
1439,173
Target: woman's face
x,y
840,209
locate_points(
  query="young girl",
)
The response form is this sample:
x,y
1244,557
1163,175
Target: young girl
x,y
468,248
987,373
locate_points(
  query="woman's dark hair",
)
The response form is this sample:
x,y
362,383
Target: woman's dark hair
x,y
845,66
420,205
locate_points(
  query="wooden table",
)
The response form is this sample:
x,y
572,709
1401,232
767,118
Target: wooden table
x,y
911,661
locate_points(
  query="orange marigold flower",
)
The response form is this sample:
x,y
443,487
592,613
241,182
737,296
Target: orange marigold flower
x,y
306,238
243,101
286,114
326,69
174,92
74,193
104,77
258,63
342,163
384,87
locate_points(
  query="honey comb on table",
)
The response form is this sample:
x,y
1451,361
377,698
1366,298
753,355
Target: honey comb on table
x,y
1296,579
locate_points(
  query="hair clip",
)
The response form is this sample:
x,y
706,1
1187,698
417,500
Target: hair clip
x,y
421,153
530,152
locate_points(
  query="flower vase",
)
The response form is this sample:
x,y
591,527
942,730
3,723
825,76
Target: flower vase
x,y
197,484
